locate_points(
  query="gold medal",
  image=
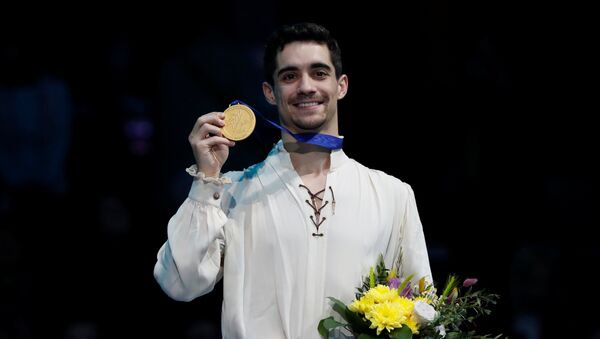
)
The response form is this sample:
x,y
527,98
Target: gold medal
x,y
239,122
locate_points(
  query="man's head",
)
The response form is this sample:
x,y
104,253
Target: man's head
x,y
299,32
305,79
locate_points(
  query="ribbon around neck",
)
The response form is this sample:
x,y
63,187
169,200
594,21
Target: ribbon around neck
x,y
324,140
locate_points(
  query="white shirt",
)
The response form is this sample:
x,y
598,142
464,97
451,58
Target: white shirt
x,y
276,274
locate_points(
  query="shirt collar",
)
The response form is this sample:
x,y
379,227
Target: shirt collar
x,y
338,157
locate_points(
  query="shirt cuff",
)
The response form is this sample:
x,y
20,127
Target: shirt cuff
x,y
207,189
193,171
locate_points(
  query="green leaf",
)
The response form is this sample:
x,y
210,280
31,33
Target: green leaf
x,y
326,325
358,323
339,307
401,333
404,283
382,271
450,284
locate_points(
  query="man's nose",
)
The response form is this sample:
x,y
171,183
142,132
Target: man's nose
x,y
306,85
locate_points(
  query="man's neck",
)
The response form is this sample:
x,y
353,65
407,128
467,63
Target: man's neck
x,y
312,164
309,160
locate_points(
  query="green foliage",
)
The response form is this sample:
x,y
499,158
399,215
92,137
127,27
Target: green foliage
x,y
458,315
456,309
379,276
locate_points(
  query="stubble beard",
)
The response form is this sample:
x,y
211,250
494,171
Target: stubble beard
x,y
309,124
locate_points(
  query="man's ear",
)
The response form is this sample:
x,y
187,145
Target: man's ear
x,y
269,94
342,86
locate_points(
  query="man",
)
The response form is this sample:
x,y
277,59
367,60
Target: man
x,y
304,224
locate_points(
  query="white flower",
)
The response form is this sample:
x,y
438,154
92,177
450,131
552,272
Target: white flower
x,y
424,313
441,330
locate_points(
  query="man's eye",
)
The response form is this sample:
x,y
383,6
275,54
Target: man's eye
x,y
288,77
321,74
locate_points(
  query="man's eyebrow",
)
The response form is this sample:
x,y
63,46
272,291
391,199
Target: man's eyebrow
x,y
320,65
312,66
287,69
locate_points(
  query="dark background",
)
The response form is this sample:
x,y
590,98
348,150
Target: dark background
x,y
485,109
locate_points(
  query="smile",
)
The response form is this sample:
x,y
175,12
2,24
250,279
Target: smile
x,y
307,104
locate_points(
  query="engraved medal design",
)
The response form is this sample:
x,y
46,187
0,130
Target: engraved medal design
x,y
239,122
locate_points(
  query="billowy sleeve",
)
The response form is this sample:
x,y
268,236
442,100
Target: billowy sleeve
x,y
189,262
409,248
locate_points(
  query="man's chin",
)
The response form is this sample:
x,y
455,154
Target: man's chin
x,y
308,127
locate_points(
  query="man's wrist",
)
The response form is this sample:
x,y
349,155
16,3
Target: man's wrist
x,y
216,179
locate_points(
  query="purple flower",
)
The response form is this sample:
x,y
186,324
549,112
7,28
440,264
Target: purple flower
x,y
407,291
394,282
469,282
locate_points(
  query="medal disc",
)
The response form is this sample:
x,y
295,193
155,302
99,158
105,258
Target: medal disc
x,y
239,122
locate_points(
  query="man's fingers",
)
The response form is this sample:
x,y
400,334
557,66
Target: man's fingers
x,y
207,125
209,131
207,140
214,118
214,140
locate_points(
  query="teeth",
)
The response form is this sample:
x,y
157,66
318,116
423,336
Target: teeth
x,y
307,104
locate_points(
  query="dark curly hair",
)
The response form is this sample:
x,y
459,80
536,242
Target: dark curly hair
x,y
304,31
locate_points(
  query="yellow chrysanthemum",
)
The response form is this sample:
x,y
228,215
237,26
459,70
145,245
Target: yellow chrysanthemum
x,y
405,304
411,322
382,293
385,309
362,305
386,316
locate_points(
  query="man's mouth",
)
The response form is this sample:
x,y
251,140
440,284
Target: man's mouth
x,y
307,104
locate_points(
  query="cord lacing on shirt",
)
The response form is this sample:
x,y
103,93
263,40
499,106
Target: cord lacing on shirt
x,y
316,218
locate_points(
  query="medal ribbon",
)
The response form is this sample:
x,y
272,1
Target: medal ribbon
x,y
324,140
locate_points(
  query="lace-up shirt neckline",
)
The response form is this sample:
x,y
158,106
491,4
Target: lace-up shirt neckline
x,y
317,204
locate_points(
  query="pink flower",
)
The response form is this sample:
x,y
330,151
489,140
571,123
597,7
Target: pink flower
x,y
469,282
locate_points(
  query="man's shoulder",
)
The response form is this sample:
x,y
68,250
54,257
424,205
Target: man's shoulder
x,y
246,174
378,173
384,178
252,172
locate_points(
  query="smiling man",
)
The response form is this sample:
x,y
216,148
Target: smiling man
x,y
304,224
306,88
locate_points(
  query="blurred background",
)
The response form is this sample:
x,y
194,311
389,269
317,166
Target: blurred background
x,y
484,108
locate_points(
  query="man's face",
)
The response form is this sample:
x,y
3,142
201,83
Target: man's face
x,y
305,88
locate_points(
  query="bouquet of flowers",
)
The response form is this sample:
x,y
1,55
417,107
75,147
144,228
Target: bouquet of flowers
x,y
387,306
